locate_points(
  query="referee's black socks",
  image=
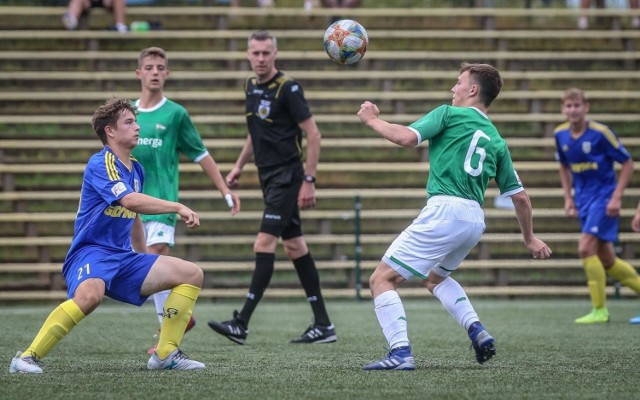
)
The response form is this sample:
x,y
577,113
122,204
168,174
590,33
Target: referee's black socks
x,y
308,274
259,281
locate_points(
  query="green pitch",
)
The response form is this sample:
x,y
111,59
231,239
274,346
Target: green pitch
x,y
542,354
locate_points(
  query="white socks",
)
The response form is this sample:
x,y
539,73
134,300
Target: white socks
x,y
159,299
392,318
455,301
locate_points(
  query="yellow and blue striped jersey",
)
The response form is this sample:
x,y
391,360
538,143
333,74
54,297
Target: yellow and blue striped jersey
x,y
590,158
101,221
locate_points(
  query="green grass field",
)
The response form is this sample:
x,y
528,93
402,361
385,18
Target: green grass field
x,y
542,354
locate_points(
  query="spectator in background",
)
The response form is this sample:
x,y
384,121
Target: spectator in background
x,y
78,8
583,20
259,3
309,4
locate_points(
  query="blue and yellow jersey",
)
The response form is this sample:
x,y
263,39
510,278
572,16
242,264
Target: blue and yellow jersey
x,y
590,158
101,221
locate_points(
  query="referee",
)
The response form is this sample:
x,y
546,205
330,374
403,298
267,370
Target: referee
x,y
277,114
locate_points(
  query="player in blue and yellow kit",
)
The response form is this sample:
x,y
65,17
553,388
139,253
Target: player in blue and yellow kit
x,y
107,256
587,152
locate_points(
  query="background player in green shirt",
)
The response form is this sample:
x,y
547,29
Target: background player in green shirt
x,y
166,131
465,152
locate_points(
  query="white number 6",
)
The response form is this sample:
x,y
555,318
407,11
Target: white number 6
x,y
474,149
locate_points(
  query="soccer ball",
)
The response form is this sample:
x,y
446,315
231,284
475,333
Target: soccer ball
x,y
346,41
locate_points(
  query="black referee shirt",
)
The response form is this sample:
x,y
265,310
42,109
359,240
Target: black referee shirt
x,y
273,111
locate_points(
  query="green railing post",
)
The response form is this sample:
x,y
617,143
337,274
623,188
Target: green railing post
x,y
617,286
358,246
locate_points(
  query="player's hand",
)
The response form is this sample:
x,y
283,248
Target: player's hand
x,y
635,223
539,249
613,207
307,196
190,217
233,176
368,111
233,201
570,208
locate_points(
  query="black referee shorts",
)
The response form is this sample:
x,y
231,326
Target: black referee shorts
x,y
280,187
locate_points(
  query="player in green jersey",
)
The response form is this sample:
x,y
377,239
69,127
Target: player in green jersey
x,y
166,131
465,152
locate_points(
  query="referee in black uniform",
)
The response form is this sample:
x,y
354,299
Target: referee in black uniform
x,y
277,114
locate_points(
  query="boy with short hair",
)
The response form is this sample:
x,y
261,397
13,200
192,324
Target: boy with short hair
x,y
587,151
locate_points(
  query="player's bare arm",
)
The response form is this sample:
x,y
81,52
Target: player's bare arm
x,y
307,193
210,167
143,204
565,180
138,240
245,154
398,134
539,249
635,223
615,204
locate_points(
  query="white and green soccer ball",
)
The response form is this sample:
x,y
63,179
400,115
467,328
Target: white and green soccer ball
x,y
346,41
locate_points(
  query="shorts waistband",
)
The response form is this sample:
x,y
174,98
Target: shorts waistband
x,y
442,199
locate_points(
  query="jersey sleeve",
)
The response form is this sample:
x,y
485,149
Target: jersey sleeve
x,y
105,178
432,124
506,176
614,147
189,140
293,96
560,156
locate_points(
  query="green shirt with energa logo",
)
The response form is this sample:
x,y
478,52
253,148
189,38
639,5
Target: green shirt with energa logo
x,y
166,131
465,153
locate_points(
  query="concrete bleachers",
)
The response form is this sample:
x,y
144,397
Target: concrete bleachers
x,y
501,270
309,39
317,59
325,100
406,18
376,79
336,174
51,81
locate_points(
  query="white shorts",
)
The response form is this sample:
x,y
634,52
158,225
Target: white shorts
x,y
439,239
157,232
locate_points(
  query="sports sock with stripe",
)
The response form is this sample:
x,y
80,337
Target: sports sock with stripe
x,y
455,301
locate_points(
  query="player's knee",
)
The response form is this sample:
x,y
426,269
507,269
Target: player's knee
x,y
295,252
376,280
193,275
432,281
88,301
429,285
295,248
585,251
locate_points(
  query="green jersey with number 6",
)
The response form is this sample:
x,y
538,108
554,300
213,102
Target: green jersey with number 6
x,y
166,131
465,153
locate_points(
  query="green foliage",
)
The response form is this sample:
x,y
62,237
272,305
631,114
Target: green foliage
x,y
542,354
